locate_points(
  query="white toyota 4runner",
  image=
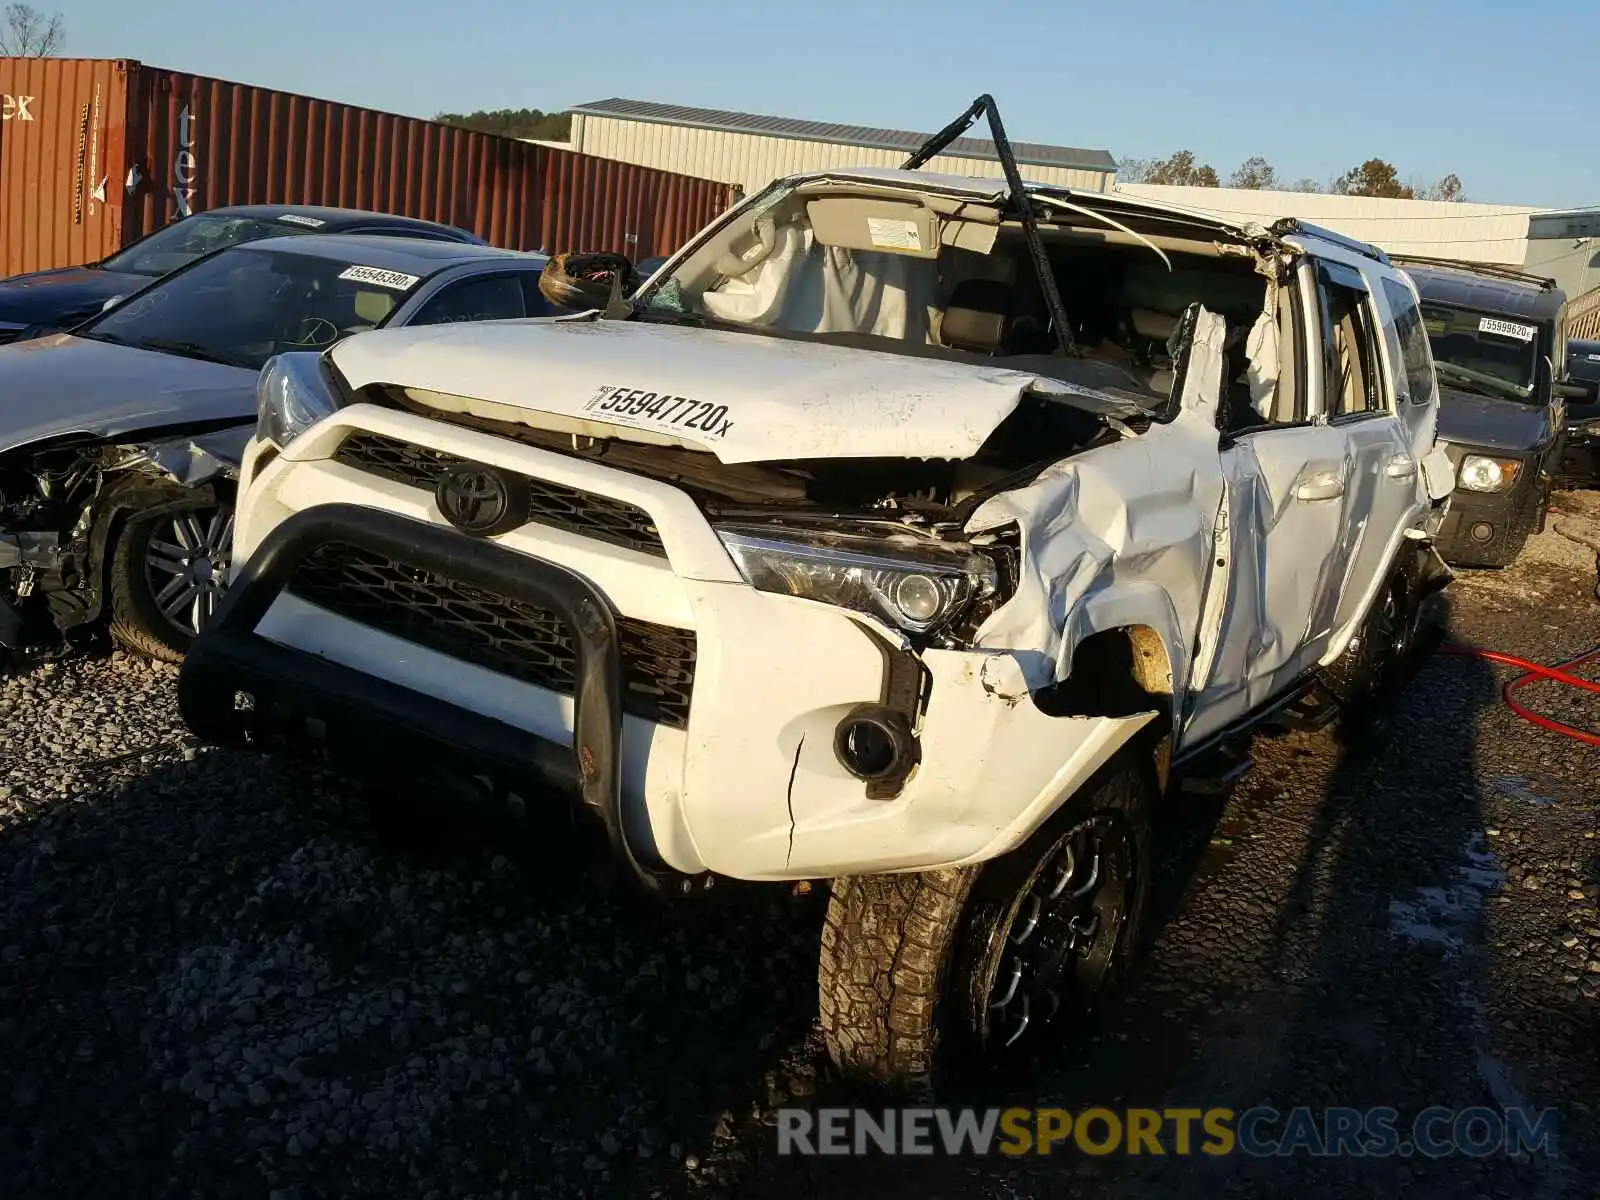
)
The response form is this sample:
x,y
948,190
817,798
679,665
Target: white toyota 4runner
x,y
904,531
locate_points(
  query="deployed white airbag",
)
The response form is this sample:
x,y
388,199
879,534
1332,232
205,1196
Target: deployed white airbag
x,y
805,287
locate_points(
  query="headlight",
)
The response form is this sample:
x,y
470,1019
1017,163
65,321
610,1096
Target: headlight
x,y
292,394
917,585
1591,430
1479,473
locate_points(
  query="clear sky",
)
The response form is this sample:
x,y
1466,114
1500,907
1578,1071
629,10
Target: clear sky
x,y
1505,95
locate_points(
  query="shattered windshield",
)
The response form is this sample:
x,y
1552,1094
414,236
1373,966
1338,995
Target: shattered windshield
x,y
950,275
180,243
245,305
1483,353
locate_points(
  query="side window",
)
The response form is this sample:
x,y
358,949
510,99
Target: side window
x,y
1415,358
1266,388
533,298
1352,384
486,298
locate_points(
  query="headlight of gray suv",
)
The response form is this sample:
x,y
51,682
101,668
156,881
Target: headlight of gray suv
x,y
918,586
293,392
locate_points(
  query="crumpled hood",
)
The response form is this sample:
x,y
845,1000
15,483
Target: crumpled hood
x,y
55,297
1467,419
743,396
63,384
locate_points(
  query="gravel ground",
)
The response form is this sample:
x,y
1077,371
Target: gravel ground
x,y
215,978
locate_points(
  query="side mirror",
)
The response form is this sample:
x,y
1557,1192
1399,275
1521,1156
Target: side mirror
x,y
581,282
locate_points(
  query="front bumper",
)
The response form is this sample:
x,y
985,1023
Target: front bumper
x,y
1580,461
749,785
1479,524
239,688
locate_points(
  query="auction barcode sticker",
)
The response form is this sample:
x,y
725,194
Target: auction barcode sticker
x,y
398,280
1511,329
298,219
894,234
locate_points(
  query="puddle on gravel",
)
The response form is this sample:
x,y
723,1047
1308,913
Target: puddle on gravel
x,y
1517,788
1444,916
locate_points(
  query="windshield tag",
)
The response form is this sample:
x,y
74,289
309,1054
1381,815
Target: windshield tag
x,y
1511,329
297,219
398,280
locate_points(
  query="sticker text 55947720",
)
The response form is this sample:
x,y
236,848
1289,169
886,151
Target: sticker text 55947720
x,y
660,410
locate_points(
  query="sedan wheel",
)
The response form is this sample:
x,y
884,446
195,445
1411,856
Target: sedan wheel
x,y
168,574
186,566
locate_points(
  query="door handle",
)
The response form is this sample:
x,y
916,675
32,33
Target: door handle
x,y
1401,466
1324,486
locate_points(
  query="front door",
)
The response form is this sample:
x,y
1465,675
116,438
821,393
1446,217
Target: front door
x,y
1287,477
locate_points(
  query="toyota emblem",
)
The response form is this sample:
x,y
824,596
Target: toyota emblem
x,y
482,501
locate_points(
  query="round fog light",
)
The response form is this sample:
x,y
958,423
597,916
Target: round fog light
x,y
1482,532
868,748
918,597
874,742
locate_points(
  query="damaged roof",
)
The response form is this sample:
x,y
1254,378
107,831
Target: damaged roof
x,y
1027,153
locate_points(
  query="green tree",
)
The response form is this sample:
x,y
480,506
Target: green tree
x,y
1182,170
1255,173
1375,177
514,122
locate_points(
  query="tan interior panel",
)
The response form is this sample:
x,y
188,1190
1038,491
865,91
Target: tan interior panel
x,y
885,226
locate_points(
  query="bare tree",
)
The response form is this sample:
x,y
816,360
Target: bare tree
x,y
1449,188
1305,185
1134,170
28,33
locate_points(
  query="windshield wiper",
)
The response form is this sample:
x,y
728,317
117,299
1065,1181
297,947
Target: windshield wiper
x,y
1481,382
189,350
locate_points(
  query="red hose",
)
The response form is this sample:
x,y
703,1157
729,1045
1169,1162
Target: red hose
x,y
1533,673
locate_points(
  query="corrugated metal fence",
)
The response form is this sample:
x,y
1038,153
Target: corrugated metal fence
x,y
99,152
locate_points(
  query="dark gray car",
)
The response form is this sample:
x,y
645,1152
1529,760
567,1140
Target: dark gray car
x,y
42,302
1495,334
119,441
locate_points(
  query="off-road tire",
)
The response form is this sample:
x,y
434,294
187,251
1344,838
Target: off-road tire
x,y
907,963
1368,677
137,622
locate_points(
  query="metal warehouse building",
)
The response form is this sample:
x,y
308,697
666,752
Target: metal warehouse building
x,y
750,151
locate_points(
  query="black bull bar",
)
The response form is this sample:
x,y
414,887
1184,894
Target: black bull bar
x,y
240,689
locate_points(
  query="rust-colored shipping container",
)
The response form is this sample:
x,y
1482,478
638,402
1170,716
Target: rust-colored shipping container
x,y
97,152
